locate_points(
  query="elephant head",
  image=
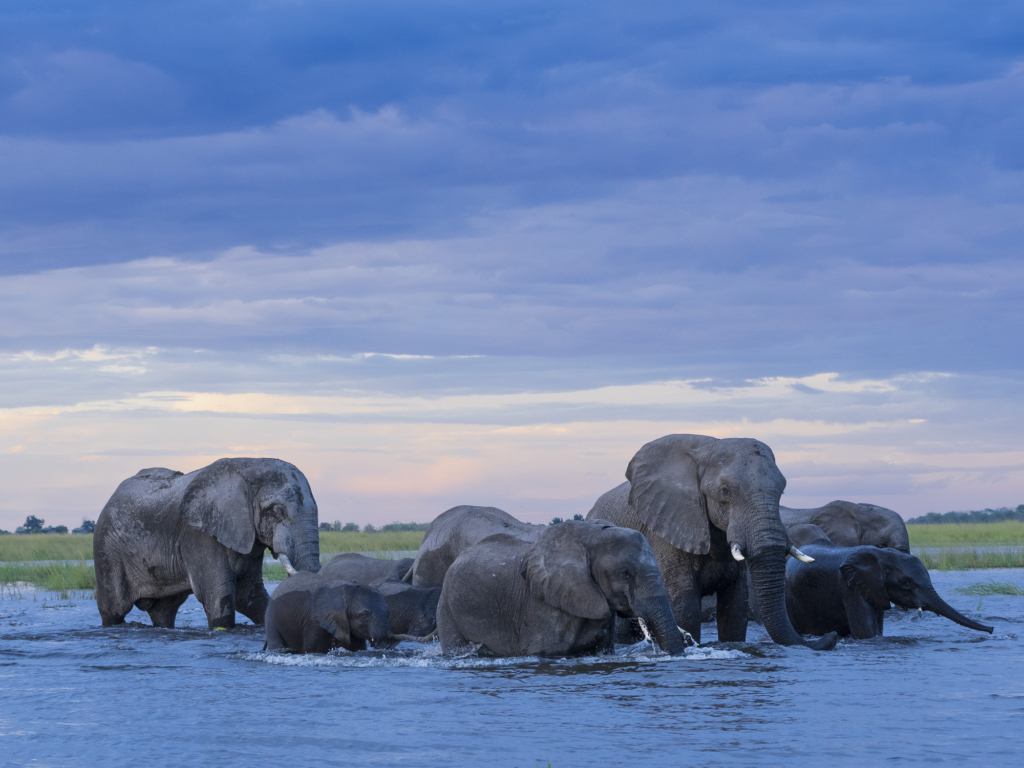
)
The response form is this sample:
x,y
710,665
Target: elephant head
x,y
693,490
594,570
882,576
352,613
245,502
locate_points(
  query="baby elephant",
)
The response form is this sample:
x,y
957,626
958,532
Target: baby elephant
x,y
311,614
412,610
848,589
555,596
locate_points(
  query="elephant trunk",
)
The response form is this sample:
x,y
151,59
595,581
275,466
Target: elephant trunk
x,y
932,602
767,576
653,607
303,550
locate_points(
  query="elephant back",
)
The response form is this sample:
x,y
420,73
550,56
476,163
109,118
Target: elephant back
x,y
454,531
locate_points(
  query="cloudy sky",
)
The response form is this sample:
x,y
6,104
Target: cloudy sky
x,y
460,252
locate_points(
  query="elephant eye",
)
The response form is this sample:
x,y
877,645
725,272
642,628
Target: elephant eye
x,y
726,491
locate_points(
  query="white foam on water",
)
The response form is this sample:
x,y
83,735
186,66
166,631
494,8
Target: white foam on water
x,y
430,656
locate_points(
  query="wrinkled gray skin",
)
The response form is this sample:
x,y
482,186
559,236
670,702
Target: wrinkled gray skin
x,y
164,535
312,614
852,525
693,497
556,596
848,589
351,566
412,610
453,532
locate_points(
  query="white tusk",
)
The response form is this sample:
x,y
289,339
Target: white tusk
x,y
737,553
687,637
287,564
800,555
643,628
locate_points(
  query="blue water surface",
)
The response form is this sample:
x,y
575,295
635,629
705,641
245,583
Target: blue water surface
x,y
73,693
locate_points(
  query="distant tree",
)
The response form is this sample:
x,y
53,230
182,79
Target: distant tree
x,y
32,524
87,526
325,527
348,527
406,527
368,528
577,517
556,521
975,516
55,529
4,533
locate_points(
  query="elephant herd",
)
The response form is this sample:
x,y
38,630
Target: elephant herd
x,y
697,517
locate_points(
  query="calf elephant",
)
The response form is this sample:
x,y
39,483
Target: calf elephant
x,y
312,614
453,532
164,535
710,509
411,610
848,589
852,525
556,596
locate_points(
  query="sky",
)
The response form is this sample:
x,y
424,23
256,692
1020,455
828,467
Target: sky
x,y
443,253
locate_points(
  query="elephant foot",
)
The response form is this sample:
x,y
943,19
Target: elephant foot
x,y
224,622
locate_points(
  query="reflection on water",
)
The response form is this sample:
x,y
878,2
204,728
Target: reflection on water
x,y
73,693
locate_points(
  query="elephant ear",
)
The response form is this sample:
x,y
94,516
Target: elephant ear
x,y
217,503
557,571
864,574
329,611
665,493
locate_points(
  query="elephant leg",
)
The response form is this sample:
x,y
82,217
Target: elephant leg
x,y
113,595
251,596
315,639
732,613
862,618
163,610
213,583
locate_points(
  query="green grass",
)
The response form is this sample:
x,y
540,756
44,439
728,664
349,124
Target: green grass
x,y
953,535
53,546
991,587
55,578
965,560
357,541
45,546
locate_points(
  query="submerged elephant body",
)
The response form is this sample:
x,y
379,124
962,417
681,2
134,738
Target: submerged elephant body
x,y
164,535
411,610
309,613
710,510
352,566
848,589
555,596
852,525
456,530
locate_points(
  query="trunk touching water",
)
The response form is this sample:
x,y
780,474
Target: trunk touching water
x,y
932,602
767,575
656,612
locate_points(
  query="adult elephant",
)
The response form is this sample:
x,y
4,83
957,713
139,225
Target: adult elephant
x,y
556,596
709,508
848,589
164,535
456,530
852,525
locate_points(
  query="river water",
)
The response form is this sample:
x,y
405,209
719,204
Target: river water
x,y
74,694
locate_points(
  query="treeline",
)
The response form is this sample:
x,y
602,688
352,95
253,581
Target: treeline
x,y
976,516
35,524
368,528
